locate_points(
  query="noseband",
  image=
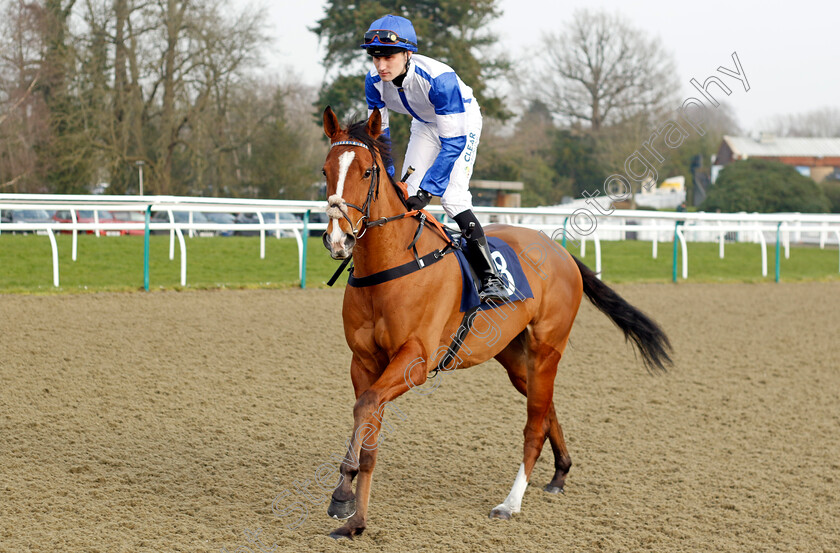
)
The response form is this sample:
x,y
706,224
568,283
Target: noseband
x,y
372,195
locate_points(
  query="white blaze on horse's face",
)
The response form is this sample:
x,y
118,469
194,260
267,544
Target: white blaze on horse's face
x,y
344,162
340,243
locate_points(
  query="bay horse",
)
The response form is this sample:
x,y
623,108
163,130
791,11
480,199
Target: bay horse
x,y
398,328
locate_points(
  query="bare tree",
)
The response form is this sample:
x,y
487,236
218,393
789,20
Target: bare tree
x,y
166,82
818,123
171,65
15,173
601,71
24,120
283,150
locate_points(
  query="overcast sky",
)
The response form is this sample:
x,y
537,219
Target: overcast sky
x,y
789,51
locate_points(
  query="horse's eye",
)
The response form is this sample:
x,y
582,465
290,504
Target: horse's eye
x,y
367,173
324,172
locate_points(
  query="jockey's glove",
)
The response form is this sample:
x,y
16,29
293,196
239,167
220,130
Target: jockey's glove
x,y
419,200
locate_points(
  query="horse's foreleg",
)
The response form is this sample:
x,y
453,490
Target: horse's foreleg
x,y
539,393
343,503
406,367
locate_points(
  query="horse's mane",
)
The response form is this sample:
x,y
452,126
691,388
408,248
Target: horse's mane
x,y
358,131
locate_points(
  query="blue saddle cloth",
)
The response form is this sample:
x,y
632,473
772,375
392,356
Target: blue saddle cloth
x,y
509,269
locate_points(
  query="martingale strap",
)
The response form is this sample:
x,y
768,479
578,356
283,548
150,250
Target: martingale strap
x,y
339,271
399,271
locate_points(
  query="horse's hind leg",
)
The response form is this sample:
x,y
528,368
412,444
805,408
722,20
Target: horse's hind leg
x,y
515,359
562,460
531,369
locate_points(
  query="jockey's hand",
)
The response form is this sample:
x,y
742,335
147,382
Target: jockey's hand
x,y
419,200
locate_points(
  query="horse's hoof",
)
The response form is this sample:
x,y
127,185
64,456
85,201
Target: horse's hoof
x,y
554,489
346,532
342,510
502,512
338,534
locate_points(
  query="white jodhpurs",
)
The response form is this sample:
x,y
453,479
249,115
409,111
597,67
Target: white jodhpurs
x,y
423,148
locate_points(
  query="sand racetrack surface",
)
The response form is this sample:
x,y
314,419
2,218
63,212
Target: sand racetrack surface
x,y
173,421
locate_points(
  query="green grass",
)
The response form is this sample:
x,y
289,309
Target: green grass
x,y
116,264
632,261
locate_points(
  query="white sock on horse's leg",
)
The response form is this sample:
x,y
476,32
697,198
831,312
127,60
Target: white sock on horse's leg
x,y
513,502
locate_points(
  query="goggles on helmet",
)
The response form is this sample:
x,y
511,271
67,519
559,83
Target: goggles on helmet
x,y
385,37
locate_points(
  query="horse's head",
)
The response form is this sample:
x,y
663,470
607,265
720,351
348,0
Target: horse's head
x,y
352,171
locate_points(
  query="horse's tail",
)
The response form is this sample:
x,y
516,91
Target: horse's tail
x,y
648,337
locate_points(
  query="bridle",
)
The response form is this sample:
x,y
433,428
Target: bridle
x,y
360,227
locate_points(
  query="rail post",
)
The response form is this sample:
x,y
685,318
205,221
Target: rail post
x,y
676,238
566,220
778,261
146,249
305,242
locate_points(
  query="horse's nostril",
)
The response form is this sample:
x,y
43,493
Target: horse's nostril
x,y
325,238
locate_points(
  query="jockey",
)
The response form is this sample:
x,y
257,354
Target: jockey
x,y
445,130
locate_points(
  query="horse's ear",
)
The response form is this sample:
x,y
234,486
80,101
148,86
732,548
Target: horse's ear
x,y
374,124
331,124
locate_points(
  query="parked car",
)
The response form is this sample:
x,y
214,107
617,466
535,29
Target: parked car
x,y
126,217
105,218
318,217
181,217
221,219
27,216
82,216
269,217
284,218
246,219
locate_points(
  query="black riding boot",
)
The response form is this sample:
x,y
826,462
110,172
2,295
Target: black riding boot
x,y
492,286
478,254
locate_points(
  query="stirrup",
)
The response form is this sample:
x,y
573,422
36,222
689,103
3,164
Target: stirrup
x,y
493,289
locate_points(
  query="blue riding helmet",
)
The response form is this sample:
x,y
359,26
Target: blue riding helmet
x,y
390,34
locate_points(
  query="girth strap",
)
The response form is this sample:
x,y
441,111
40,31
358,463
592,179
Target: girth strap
x,y
399,271
457,340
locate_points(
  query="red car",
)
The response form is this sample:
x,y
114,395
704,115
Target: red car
x,y
105,218
126,217
64,216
